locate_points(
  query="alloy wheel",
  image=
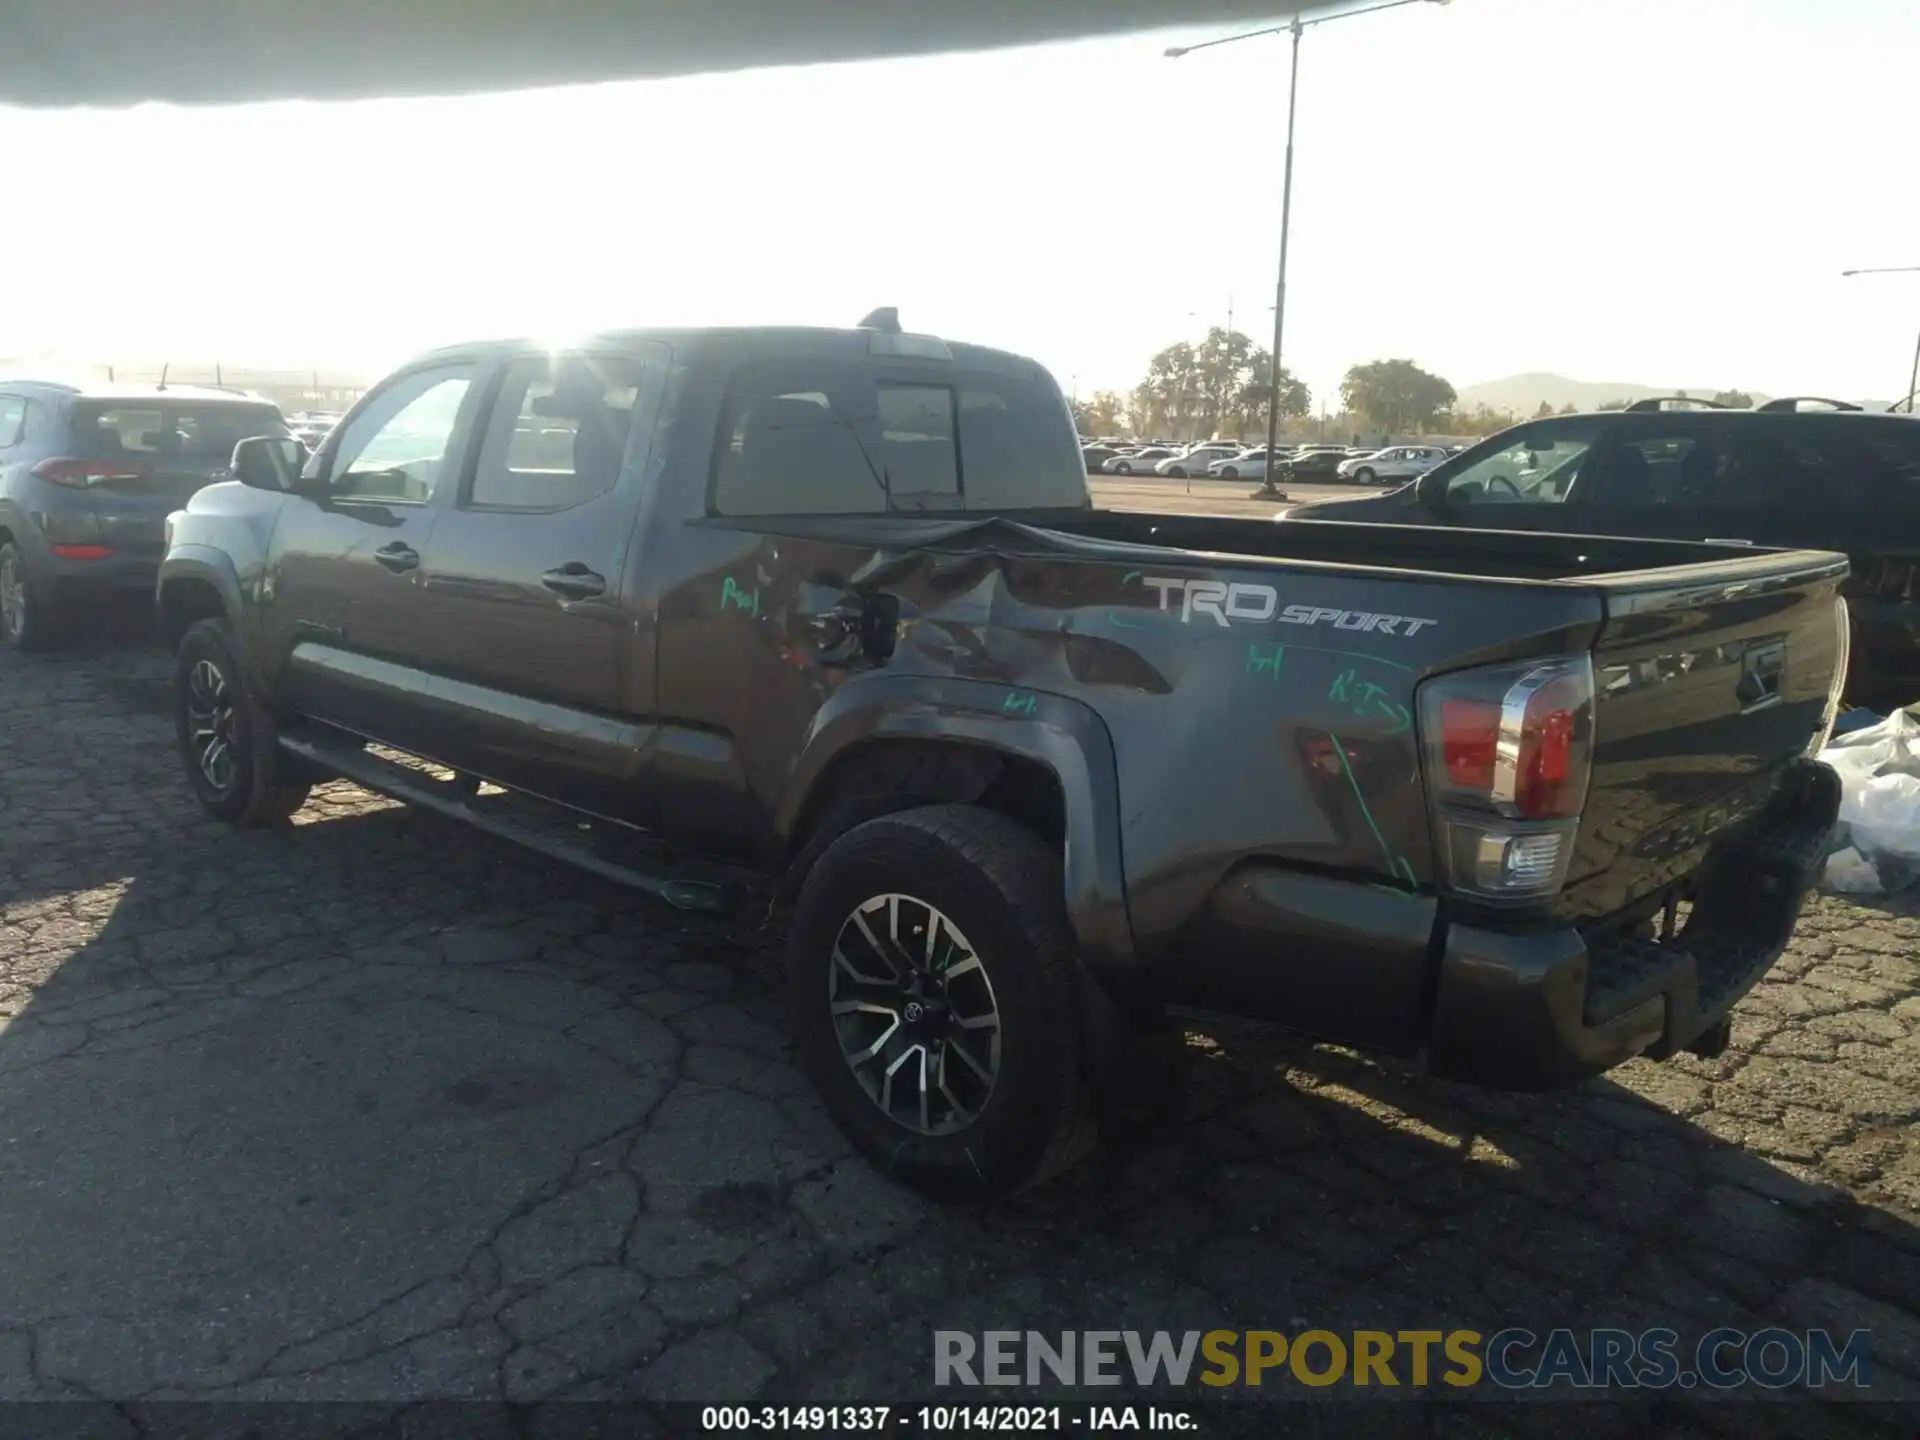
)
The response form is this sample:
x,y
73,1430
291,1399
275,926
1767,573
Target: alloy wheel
x,y
210,725
915,1014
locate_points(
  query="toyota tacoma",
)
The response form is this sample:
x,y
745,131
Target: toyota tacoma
x,y
833,606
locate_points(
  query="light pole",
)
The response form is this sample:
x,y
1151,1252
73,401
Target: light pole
x,y
1913,376
1295,28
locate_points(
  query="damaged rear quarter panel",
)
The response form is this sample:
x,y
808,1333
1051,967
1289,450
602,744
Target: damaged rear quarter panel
x,y
1278,729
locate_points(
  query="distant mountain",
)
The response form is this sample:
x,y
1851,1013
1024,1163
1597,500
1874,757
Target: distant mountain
x,y
1523,394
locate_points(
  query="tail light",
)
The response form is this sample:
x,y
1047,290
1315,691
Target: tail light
x,y
1842,657
80,474
1509,751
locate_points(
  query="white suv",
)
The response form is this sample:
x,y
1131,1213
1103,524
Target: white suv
x,y
1400,462
1196,459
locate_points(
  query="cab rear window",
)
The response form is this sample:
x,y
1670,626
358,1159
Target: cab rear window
x,y
838,440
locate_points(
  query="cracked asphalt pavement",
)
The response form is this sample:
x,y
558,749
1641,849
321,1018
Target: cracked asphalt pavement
x,y
378,1109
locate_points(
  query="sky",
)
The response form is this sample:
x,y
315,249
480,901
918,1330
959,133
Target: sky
x,y
1658,191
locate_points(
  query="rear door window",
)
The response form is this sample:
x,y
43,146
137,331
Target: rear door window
x,y
13,419
1657,476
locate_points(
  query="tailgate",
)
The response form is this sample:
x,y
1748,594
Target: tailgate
x,y
1709,679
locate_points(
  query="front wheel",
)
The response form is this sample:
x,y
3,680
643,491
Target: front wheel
x,y
226,735
1177,473
1363,475
931,975
1123,468
1229,473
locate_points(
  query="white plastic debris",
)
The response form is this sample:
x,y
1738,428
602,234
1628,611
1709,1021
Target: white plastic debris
x,y
1879,769
1851,873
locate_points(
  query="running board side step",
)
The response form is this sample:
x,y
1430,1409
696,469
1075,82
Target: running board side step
x,y
355,763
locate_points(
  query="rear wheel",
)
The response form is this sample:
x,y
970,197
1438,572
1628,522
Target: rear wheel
x,y
226,735
931,975
27,620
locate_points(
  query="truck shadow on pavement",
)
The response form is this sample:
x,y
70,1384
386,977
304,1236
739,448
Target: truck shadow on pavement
x,y
377,1109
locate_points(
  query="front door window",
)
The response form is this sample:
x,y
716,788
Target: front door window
x,y
1537,465
393,451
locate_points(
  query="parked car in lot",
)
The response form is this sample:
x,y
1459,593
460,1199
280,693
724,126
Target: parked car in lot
x,y
1195,459
996,743
1779,475
1094,457
312,428
1311,464
1139,461
1249,464
1398,462
87,477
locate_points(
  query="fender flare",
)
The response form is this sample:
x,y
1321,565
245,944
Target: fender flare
x,y
215,567
1065,736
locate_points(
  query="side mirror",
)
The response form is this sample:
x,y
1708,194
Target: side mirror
x,y
1432,490
269,462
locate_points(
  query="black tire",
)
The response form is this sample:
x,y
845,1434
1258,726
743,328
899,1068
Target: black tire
x,y
1000,886
247,786
1177,473
30,624
1364,475
1123,468
1229,473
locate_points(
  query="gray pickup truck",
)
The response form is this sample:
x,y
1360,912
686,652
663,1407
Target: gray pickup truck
x,y
833,606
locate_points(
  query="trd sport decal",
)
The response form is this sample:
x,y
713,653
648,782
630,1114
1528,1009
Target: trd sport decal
x,y
1226,603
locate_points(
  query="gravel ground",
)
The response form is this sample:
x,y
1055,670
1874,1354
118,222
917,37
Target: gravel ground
x,y
378,1109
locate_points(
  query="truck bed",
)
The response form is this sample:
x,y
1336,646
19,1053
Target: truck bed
x,y
1495,554
1223,656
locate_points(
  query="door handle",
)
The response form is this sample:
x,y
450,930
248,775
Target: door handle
x,y
398,557
574,581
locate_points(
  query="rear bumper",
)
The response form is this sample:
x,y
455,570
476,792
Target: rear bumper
x,y
1544,1009
77,581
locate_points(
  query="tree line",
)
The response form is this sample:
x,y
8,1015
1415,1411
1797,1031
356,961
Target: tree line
x,y
1218,389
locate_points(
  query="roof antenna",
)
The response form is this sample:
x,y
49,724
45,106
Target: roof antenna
x,y
163,376
886,320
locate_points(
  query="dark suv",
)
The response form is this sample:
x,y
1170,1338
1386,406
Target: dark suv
x,y
1786,474
87,479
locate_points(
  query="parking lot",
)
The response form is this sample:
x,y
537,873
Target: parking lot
x,y
1206,497
378,1109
